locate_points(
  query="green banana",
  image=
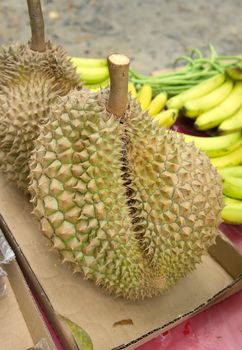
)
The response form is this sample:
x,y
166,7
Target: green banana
x,y
228,200
145,96
232,187
88,62
234,72
166,118
232,159
158,103
235,171
93,75
217,115
197,106
196,91
233,123
98,86
232,213
132,90
216,146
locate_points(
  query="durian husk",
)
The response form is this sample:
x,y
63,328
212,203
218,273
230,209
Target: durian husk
x,y
18,60
121,199
30,82
177,197
23,108
80,198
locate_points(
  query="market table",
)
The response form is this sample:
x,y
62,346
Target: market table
x,y
217,328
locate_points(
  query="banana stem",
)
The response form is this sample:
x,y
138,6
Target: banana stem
x,y
118,66
37,26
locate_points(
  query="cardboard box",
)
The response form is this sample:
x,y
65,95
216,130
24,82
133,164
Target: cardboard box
x,y
21,325
112,323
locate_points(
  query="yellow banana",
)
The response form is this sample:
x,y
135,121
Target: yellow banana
x,y
232,214
145,96
232,159
96,87
197,106
196,91
158,103
132,90
233,123
93,75
224,110
235,171
88,62
232,187
234,72
216,146
167,118
228,200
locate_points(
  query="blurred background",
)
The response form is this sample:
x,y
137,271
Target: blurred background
x,y
153,33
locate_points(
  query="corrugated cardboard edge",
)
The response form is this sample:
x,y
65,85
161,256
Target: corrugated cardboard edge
x,y
223,252
233,288
64,335
28,307
230,259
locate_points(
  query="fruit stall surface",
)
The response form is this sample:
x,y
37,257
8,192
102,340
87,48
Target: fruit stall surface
x,y
217,328
201,98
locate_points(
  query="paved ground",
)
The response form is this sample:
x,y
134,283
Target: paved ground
x,y
153,33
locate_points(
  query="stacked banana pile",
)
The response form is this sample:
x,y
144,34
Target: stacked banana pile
x,y
232,189
93,71
155,106
225,152
216,104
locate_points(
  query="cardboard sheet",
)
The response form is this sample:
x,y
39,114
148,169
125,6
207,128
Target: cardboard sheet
x,y
14,333
87,305
21,325
28,307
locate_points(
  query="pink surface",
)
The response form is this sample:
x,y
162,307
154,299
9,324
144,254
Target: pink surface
x,y
218,328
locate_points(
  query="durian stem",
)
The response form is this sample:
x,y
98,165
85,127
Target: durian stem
x,y
37,26
118,66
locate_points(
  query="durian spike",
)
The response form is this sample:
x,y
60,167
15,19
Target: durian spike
x,y
118,66
37,26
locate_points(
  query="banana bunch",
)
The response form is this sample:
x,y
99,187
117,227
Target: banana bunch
x,y
93,71
225,152
214,103
232,189
155,106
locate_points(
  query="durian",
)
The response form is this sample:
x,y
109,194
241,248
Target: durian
x,y
31,77
130,205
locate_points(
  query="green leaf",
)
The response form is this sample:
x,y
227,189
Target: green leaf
x,y
81,337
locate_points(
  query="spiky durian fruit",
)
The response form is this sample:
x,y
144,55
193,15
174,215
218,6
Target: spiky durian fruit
x,y
176,196
131,206
18,60
31,77
26,107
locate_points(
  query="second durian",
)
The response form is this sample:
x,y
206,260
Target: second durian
x,y
31,77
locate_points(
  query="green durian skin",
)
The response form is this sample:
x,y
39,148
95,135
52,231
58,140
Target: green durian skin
x,y
30,82
18,61
177,196
121,199
79,196
23,108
